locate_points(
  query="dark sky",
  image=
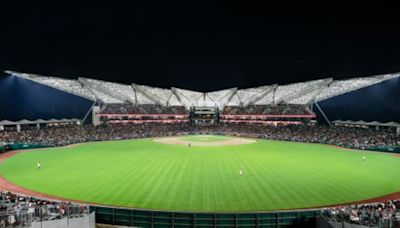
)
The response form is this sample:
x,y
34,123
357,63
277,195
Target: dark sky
x,y
201,47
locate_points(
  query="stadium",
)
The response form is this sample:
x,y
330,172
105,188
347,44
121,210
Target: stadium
x,y
199,114
138,155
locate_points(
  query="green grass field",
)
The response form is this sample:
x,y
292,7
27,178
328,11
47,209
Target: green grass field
x,y
146,174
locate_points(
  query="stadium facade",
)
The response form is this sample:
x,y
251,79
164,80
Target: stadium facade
x,y
369,99
36,99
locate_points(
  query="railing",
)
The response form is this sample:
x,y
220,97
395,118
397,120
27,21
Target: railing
x,y
12,219
26,216
381,223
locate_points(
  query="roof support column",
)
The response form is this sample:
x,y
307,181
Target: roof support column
x,y
323,114
88,112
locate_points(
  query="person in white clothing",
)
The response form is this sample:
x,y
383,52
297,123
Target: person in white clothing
x,y
241,172
38,165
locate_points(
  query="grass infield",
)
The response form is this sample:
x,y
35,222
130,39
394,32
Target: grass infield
x,y
145,174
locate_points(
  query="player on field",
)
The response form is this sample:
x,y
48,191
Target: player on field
x,y
241,172
363,158
39,165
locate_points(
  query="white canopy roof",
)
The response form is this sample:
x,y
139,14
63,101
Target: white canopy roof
x,y
365,123
38,121
301,93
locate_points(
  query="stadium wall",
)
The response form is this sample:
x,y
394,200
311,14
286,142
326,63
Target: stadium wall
x,y
23,99
379,102
148,218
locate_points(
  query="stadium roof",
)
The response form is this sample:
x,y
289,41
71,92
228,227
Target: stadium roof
x,y
366,123
301,93
38,121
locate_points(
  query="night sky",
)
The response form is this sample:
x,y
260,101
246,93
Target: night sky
x,y
201,47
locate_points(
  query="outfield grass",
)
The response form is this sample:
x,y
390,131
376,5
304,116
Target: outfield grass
x,y
146,174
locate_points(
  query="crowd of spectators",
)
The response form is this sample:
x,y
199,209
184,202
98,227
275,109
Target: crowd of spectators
x,y
267,110
359,138
228,110
371,215
143,109
20,211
